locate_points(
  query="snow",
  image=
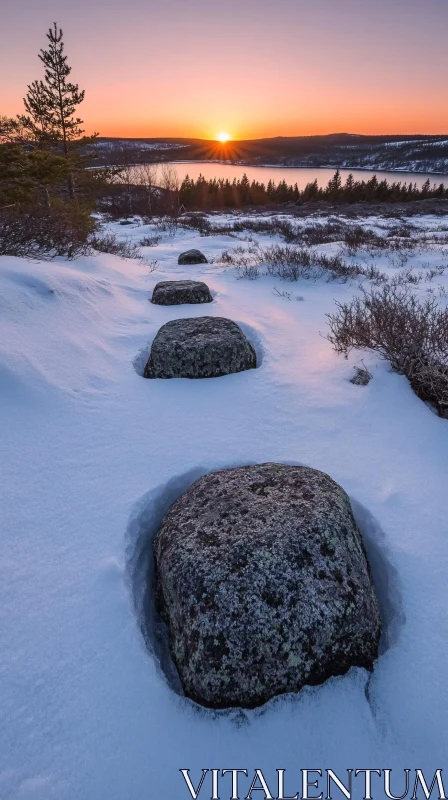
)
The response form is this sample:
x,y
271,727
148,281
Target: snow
x,y
93,454
105,144
417,142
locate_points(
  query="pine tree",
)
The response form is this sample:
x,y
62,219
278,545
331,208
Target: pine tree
x,y
426,188
334,185
51,104
349,187
37,123
23,174
16,183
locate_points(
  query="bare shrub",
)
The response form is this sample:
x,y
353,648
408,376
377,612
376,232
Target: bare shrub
x,y
170,183
149,241
292,263
408,276
170,178
249,271
242,257
411,335
110,243
398,258
38,232
145,177
372,273
404,230
227,257
246,260
200,222
167,224
434,272
288,263
309,235
358,238
285,294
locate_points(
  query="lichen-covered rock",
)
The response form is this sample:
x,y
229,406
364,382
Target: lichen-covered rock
x,y
263,582
203,347
175,293
192,257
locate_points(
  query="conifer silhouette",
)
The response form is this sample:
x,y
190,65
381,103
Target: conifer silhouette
x,y
51,104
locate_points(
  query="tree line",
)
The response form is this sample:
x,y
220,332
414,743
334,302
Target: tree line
x,y
46,184
222,193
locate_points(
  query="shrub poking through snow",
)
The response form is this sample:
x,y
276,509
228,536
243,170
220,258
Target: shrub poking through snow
x,y
411,335
289,263
361,377
149,241
46,232
125,248
110,243
292,263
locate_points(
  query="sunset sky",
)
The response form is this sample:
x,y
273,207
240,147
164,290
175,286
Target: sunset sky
x,y
252,68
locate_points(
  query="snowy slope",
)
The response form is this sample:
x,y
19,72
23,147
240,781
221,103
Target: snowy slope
x,y
92,454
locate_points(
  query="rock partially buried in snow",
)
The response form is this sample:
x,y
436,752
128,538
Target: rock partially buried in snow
x,y
192,257
263,582
203,347
174,293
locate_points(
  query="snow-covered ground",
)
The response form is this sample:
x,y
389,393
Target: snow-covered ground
x,y
104,144
91,456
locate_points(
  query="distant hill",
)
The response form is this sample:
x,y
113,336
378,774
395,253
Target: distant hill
x,y
418,153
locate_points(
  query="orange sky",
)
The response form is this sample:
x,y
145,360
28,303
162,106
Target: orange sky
x,y
253,68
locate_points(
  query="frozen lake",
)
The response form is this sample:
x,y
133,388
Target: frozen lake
x,y
292,175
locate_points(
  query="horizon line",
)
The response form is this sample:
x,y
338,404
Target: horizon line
x,y
282,136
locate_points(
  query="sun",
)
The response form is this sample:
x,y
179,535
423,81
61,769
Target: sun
x,y
223,137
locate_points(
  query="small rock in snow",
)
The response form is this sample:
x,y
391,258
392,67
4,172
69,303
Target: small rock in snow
x,y
174,293
203,347
361,377
192,257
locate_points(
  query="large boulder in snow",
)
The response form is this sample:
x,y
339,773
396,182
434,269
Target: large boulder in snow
x,y
204,347
192,257
263,581
174,293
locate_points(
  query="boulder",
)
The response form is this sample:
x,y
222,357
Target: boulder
x,y
174,293
264,584
192,257
203,347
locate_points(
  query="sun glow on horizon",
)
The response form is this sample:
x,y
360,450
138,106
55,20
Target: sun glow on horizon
x,y
223,137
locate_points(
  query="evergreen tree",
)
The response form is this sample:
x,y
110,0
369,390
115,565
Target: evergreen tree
x,y
37,123
334,186
426,188
51,104
244,190
349,188
23,174
311,191
10,131
16,184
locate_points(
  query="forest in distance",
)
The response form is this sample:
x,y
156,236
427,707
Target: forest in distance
x,y
220,193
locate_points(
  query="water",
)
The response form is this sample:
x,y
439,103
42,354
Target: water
x,y
292,175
